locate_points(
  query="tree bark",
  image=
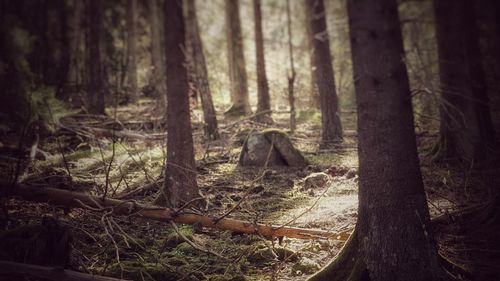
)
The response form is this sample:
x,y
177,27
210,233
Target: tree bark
x,y
237,72
393,230
263,98
157,56
64,62
133,90
466,130
331,126
201,73
180,185
291,77
95,89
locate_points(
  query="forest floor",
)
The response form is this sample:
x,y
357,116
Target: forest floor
x,y
124,154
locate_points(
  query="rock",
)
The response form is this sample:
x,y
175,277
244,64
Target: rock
x,y
305,266
351,174
272,147
316,180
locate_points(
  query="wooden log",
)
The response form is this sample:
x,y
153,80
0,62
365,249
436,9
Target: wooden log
x,y
131,208
50,273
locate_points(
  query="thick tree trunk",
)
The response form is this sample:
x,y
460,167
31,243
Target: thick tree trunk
x,y
180,185
95,89
236,59
201,73
263,98
393,229
133,90
157,57
466,131
331,126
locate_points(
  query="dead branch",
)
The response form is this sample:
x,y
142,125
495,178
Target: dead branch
x,y
131,208
50,273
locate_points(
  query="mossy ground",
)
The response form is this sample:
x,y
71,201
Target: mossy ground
x,y
148,250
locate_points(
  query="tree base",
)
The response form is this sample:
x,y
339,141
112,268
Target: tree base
x,y
237,111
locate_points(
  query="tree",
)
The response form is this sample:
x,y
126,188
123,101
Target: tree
x,y
313,95
331,126
95,87
236,59
133,90
263,98
200,72
64,63
393,238
291,76
466,130
157,56
180,184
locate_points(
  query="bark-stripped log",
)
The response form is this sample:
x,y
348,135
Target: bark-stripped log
x,y
131,208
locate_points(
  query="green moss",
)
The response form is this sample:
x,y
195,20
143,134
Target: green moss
x,y
174,240
309,116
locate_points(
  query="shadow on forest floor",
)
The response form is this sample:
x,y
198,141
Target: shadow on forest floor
x,y
132,165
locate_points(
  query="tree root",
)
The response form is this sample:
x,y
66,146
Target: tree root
x,y
346,265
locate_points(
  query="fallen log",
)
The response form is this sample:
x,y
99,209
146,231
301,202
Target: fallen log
x,y
132,208
50,273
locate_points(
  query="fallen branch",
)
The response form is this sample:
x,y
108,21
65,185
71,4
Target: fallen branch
x,y
50,273
132,208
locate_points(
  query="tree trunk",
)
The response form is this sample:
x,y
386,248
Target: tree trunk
x,y
158,60
237,72
133,90
313,94
393,229
76,54
95,88
263,98
466,131
291,77
180,185
201,73
64,62
331,126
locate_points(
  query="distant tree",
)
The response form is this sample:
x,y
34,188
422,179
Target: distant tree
x,y
133,90
466,131
200,72
95,85
331,126
65,50
237,72
263,98
180,184
313,94
157,54
291,76
393,238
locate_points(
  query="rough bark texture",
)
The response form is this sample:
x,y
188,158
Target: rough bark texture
x,y
94,60
466,131
180,185
133,90
236,59
157,57
263,98
200,73
331,126
393,224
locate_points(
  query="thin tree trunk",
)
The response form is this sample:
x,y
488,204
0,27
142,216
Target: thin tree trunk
x,y
236,60
331,126
133,90
180,185
76,55
313,94
466,131
94,61
291,77
263,98
64,63
157,56
201,73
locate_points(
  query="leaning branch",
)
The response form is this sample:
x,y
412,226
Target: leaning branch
x,y
132,208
